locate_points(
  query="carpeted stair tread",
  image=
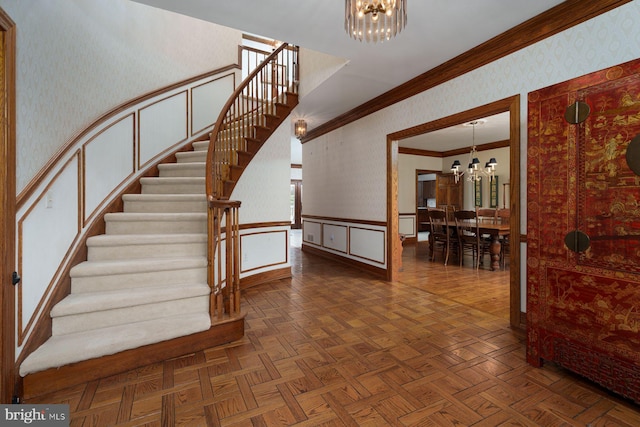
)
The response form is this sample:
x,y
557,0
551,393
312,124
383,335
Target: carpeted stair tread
x,y
155,223
71,348
191,156
184,170
144,239
108,300
154,216
169,179
163,197
173,185
201,145
164,203
126,246
98,268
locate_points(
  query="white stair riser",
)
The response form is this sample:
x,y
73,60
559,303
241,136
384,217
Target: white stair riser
x,y
159,226
191,156
174,188
133,250
107,282
169,206
120,316
182,170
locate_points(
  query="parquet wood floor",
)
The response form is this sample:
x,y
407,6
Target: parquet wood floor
x,y
337,347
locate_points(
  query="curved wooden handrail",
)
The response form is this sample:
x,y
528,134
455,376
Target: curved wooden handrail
x,y
220,122
243,125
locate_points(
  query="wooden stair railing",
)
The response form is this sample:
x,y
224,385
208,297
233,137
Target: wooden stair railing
x,y
253,112
225,299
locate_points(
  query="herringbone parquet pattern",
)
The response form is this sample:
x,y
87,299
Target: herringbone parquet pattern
x,y
337,347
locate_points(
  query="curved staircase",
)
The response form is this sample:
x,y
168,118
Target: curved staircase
x,y
146,291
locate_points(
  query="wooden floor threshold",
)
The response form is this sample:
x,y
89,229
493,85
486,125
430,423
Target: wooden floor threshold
x,y
55,379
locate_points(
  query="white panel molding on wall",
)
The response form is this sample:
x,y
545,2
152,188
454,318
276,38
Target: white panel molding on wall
x,y
367,244
263,249
46,231
162,125
206,98
108,161
360,241
407,225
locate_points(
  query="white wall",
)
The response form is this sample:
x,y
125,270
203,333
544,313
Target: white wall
x,y
345,170
76,59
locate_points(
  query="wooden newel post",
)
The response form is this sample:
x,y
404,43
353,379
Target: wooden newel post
x,y
224,266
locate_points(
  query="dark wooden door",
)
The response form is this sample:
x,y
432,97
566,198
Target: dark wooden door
x,y
449,192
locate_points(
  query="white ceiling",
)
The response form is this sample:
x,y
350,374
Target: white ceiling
x,y
436,31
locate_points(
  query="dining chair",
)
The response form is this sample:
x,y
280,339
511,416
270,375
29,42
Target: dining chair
x,y
439,235
468,235
486,216
503,216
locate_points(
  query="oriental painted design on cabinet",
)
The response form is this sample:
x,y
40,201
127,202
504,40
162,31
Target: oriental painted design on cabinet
x,y
583,307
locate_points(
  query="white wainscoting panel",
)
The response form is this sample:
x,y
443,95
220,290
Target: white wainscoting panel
x,y
312,232
45,233
108,161
368,244
362,242
264,249
207,101
335,237
162,125
407,225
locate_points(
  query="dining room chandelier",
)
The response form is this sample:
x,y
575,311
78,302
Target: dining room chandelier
x,y
474,172
374,20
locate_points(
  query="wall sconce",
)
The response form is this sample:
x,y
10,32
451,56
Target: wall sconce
x,y
301,129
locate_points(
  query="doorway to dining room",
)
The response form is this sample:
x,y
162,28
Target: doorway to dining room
x,y
512,107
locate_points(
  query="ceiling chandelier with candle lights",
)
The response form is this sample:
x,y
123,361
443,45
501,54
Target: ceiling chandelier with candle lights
x,y
374,20
474,172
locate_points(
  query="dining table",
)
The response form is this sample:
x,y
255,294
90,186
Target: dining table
x,y
497,232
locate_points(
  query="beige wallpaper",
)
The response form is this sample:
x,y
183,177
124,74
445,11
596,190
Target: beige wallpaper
x,y
77,59
345,170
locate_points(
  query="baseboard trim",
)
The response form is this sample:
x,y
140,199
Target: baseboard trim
x,y
266,277
410,241
381,272
55,379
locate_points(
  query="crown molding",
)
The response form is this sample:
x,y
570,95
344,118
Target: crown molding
x,y
559,18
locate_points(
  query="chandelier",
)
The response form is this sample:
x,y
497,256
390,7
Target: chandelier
x,y
374,20
474,172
